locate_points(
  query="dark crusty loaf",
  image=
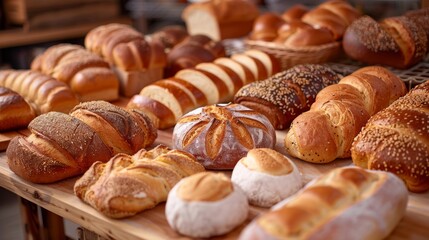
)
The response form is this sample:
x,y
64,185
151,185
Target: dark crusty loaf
x,y
87,74
43,92
15,112
287,94
62,146
327,130
397,140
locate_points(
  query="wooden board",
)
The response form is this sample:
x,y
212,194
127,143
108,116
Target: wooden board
x,y
152,224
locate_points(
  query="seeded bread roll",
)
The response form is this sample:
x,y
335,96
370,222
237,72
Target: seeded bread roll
x,y
397,41
220,135
346,203
266,176
15,112
287,94
206,204
397,138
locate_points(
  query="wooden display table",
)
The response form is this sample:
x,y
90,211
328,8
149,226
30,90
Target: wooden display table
x,y
152,224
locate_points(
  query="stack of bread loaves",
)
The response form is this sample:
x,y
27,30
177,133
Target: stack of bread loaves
x,y
327,130
136,182
87,74
207,83
137,61
62,145
43,92
397,140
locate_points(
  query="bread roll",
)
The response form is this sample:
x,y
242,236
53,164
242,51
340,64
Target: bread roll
x,y
220,135
136,182
346,203
266,176
397,41
88,75
295,12
265,27
396,139
41,91
15,112
220,19
285,95
205,205
62,146
327,130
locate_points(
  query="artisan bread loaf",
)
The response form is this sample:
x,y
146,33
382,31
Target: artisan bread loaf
x,y
206,204
396,140
62,146
15,112
88,75
220,135
285,95
220,19
346,203
327,130
136,182
44,93
266,176
396,41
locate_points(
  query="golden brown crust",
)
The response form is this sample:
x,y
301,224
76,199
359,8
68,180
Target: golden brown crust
x,y
15,112
268,161
170,36
295,12
205,186
265,27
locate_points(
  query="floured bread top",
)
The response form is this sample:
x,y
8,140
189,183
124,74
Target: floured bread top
x,y
267,161
205,186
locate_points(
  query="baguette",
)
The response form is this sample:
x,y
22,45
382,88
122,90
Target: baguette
x,y
62,146
41,91
330,206
15,112
397,138
327,130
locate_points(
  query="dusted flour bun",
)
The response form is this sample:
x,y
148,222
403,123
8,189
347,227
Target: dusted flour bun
x,y
266,176
220,135
206,204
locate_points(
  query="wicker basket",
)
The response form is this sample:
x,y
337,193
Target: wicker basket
x,y
290,57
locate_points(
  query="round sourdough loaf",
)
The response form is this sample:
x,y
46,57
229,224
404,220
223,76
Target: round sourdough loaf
x,y
206,204
220,135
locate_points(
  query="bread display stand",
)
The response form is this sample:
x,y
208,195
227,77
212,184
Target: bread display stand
x,y
132,82
59,199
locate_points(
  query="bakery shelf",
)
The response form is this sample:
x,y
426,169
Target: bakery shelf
x,y
152,224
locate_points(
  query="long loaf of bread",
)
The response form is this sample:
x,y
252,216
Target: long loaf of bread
x,y
346,203
287,94
44,93
15,112
62,145
397,140
137,182
207,83
327,130
87,74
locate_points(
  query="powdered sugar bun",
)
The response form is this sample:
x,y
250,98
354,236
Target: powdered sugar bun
x,y
266,176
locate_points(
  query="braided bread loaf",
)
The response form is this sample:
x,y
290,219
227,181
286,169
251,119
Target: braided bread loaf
x,y
15,112
287,94
41,91
136,60
207,83
137,182
397,140
346,203
326,132
62,146
88,75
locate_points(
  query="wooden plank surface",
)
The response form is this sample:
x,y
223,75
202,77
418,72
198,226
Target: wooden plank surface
x,y
151,224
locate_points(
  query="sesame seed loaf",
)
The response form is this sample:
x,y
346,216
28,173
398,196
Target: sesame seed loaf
x,y
397,140
326,132
287,94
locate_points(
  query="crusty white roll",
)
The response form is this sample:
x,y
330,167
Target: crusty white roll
x,y
266,176
206,204
346,203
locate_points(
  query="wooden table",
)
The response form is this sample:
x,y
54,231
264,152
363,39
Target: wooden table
x,y
152,224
